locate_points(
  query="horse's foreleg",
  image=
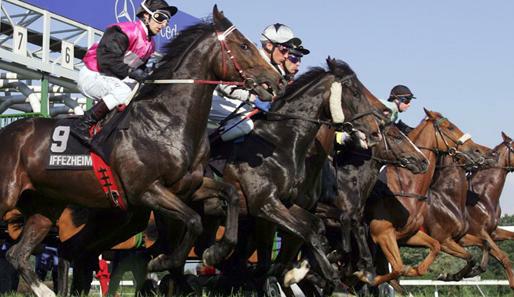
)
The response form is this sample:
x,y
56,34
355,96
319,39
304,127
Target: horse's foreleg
x,y
164,202
501,256
449,246
501,234
300,223
472,240
222,248
365,262
63,283
383,234
34,231
423,239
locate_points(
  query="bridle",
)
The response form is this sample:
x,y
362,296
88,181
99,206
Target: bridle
x,y
452,151
346,126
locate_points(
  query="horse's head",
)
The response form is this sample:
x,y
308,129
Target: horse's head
x,y
240,60
358,114
396,148
505,152
449,139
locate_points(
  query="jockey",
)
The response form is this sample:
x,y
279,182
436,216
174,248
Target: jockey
x,y
399,101
293,61
276,40
119,57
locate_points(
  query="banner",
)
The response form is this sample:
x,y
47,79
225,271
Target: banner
x,y
102,13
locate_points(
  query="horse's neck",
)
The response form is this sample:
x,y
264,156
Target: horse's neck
x,y
489,183
187,106
450,182
403,180
296,134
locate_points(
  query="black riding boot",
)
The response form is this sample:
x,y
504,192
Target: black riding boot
x,y
80,127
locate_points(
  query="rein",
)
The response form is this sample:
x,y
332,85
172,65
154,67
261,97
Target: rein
x,y
509,168
221,36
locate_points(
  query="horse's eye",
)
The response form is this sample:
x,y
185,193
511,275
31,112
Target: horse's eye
x,y
245,46
450,128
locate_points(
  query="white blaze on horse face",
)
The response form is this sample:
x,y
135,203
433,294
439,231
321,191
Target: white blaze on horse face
x,y
336,110
464,138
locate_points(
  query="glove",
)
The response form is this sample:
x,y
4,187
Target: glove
x,y
262,105
138,75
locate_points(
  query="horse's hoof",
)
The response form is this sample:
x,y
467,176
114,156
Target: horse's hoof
x,y
443,277
159,263
211,256
271,287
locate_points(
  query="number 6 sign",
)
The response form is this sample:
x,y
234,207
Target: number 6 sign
x,y
67,55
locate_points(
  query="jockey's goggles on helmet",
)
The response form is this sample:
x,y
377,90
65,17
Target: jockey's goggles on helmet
x,y
160,16
282,47
294,59
405,98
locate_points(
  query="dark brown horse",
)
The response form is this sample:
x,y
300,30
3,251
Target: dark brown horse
x,y
435,135
484,214
154,159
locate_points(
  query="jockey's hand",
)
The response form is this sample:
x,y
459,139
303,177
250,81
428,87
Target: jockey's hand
x,y
262,105
138,75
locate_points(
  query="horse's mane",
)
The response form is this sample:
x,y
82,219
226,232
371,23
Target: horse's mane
x,y
313,74
178,47
174,53
339,68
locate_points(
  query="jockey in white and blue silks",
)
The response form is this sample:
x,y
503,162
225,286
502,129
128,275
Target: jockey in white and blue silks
x,y
276,40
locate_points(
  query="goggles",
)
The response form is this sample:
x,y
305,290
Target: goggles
x,y
283,49
294,59
160,16
405,98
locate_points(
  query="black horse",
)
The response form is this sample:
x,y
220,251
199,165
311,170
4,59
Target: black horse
x,y
157,158
269,168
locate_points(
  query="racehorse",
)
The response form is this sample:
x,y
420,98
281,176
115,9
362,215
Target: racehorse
x,y
269,167
351,176
446,217
436,135
484,212
396,148
153,158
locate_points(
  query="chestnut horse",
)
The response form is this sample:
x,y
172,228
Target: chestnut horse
x,y
435,135
446,217
152,159
485,213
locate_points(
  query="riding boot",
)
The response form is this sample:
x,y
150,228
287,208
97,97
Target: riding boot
x,y
80,127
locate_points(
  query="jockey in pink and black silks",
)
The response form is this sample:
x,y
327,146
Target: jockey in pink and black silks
x,y
120,56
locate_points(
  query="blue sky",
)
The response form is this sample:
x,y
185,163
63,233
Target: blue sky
x,y
456,56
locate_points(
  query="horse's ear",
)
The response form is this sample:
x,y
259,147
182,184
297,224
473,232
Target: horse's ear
x,y
430,115
331,62
216,13
221,23
505,137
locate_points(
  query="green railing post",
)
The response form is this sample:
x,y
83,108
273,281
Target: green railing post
x,y
45,104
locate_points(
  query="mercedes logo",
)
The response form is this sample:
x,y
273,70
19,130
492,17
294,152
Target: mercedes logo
x,y
124,10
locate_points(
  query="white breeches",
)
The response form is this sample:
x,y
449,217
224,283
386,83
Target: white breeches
x,y
112,90
235,127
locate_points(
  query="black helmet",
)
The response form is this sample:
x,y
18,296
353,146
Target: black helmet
x,y
400,91
299,51
152,6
